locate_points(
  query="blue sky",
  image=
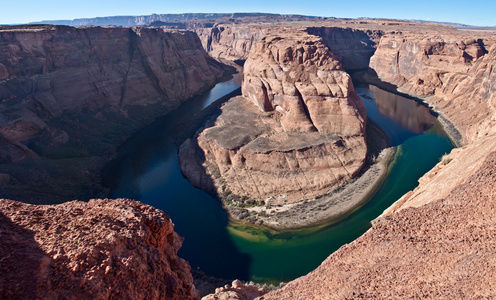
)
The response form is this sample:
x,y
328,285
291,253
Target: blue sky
x,y
481,12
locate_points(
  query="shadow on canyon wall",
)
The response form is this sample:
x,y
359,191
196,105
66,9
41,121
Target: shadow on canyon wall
x,y
352,48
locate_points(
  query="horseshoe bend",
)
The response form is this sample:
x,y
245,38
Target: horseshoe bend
x,y
298,147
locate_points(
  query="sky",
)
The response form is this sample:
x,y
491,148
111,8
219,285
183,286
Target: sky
x,y
479,13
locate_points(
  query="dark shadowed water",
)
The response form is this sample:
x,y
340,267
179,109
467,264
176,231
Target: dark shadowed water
x,y
146,169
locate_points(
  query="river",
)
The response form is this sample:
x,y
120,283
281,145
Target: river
x,y
146,169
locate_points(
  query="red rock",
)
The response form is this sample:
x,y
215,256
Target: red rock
x,y
447,67
99,249
237,290
233,42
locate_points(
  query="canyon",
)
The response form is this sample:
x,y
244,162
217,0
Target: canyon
x,y
436,241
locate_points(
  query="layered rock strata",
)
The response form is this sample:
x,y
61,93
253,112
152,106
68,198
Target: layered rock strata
x,y
352,47
76,93
101,249
297,133
448,69
233,42
45,71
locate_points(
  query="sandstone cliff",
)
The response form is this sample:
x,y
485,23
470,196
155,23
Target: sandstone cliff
x,y
297,134
352,47
45,71
447,68
232,42
101,249
74,93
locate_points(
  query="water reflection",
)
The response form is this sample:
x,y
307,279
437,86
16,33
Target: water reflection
x,y
399,117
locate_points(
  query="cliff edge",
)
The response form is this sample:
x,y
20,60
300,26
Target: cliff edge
x,y
99,249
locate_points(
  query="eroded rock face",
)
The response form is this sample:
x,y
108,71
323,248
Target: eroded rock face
x,y
236,291
233,42
300,79
448,68
99,249
353,48
296,134
48,70
70,96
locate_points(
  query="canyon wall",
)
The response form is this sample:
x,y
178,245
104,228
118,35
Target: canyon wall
x,y
352,47
233,42
456,72
72,93
45,71
101,249
297,133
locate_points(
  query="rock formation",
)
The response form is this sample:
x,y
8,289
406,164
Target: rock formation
x,y
100,249
296,134
436,241
352,47
236,291
46,70
233,42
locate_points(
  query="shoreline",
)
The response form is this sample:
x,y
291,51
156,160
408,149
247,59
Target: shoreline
x,y
331,208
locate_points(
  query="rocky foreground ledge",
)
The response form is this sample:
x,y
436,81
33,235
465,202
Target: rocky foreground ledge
x,y
99,249
437,243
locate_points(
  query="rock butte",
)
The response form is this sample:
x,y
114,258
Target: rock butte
x,y
436,241
297,133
